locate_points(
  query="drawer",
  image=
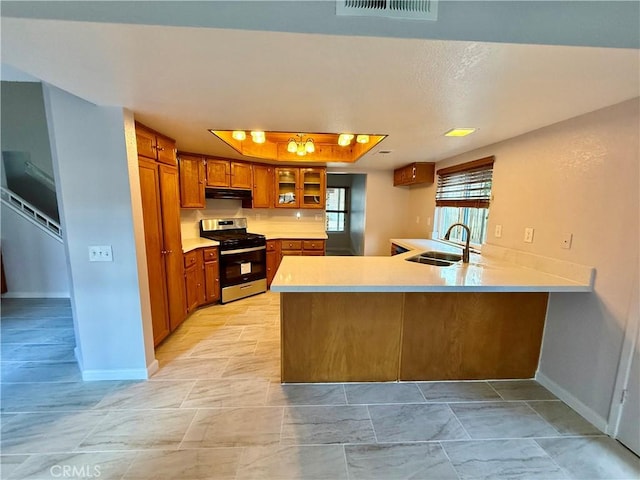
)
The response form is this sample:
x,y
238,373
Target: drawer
x,y
291,253
190,258
314,253
271,246
313,245
210,254
291,244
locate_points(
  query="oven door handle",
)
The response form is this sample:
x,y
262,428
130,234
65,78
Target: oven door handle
x,y
242,250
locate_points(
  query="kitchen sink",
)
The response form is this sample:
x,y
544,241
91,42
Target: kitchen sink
x,y
437,259
449,257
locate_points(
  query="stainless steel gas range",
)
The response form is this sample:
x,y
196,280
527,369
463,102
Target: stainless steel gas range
x,y
243,265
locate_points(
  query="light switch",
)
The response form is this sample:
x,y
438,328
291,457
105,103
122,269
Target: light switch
x,y
528,235
498,231
100,253
566,240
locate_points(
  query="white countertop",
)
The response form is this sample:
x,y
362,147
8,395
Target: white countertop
x,y
189,244
395,274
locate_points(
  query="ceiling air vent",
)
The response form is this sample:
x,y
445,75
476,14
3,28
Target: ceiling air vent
x,y
411,9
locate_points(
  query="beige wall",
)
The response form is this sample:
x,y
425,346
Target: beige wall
x,y
579,176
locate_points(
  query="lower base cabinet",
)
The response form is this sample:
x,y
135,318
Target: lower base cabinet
x,y
273,259
211,275
194,279
202,277
411,336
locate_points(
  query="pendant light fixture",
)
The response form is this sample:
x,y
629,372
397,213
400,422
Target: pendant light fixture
x,y
300,146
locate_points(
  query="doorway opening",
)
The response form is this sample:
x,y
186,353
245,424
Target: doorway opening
x,y
345,213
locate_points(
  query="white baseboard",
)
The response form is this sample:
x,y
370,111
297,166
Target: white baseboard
x,y
76,354
153,368
124,374
36,295
596,420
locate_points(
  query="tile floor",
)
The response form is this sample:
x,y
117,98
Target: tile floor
x,y
216,410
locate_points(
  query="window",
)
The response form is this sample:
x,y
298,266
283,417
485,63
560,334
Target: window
x,y
337,201
463,196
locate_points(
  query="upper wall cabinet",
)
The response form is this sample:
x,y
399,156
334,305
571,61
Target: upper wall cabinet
x,y
228,174
313,188
192,180
300,187
414,174
287,180
262,186
155,146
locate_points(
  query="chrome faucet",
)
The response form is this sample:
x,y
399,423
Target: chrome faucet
x,y
465,251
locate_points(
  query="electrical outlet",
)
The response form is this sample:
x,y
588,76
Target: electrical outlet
x,y
100,253
566,240
428,221
418,219
319,217
528,235
498,231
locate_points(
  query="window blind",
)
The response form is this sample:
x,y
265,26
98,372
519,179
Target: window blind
x,y
465,185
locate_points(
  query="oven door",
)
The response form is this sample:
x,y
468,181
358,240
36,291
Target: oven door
x,y
242,265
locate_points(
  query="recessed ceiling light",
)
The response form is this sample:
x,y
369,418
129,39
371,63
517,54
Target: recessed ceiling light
x,y
459,132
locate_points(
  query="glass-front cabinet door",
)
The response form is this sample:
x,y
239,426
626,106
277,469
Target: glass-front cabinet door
x,y
313,187
287,181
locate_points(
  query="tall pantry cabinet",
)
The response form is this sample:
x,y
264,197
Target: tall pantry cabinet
x,y
159,186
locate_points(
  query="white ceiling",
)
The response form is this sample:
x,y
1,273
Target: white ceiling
x,y
185,80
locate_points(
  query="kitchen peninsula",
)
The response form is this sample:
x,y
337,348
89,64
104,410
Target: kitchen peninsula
x,y
387,319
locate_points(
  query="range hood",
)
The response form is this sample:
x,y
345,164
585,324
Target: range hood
x,y
227,193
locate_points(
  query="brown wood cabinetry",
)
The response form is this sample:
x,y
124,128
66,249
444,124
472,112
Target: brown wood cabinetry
x,y
282,187
225,173
262,186
154,242
170,205
287,187
313,187
202,277
194,279
218,172
291,247
160,192
417,336
211,275
155,146
241,175
301,247
273,259
470,336
313,247
414,174
300,187
192,180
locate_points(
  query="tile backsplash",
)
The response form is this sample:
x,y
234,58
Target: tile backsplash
x,y
260,220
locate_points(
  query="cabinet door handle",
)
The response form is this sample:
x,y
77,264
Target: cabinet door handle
x,y
159,148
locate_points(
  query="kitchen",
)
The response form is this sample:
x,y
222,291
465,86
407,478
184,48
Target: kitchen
x,y
543,192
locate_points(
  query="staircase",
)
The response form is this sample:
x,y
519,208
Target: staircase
x,y
31,213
